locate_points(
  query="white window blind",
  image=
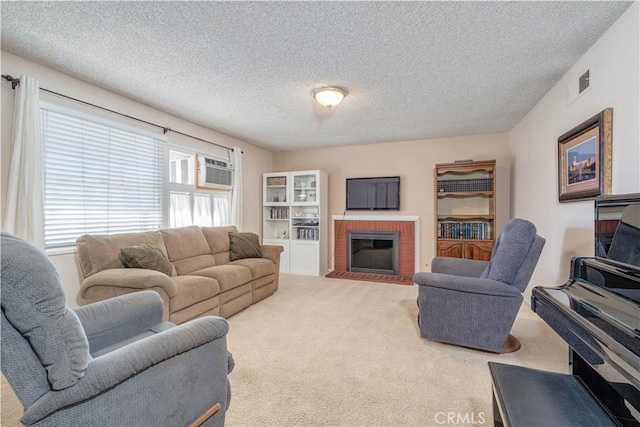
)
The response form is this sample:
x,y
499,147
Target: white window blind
x,y
98,179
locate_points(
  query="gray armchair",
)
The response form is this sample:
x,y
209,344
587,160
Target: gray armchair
x,y
474,303
112,363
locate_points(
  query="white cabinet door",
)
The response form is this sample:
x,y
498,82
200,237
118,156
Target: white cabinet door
x,y
284,256
275,189
303,258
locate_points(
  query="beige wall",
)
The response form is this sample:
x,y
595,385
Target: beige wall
x,y
413,161
256,160
568,227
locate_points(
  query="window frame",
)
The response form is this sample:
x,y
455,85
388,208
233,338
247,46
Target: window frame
x,y
193,189
105,118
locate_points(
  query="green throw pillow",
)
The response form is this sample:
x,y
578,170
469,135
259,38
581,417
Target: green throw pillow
x,y
244,245
145,256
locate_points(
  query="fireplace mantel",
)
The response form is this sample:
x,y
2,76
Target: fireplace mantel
x,y
363,222
414,218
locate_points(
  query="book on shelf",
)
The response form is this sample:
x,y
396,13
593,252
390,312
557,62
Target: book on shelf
x,y
465,185
308,234
470,230
279,213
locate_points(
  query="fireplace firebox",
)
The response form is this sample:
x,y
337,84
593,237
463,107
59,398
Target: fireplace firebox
x,y
372,251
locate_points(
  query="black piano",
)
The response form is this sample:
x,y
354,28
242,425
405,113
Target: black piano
x,y
597,312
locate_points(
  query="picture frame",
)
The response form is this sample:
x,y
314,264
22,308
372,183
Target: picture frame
x,y
584,159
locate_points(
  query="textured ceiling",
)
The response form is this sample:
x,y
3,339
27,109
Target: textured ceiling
x,y
414,70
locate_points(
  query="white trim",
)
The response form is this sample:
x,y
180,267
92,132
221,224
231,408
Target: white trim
x,y
376,217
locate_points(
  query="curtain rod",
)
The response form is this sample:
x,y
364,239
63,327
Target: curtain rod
x,y
15,82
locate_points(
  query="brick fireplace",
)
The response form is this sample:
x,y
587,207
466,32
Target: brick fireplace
x,y
407,228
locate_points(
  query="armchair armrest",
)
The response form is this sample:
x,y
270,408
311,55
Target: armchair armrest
x,y
458,266
117,319
127,364
466,284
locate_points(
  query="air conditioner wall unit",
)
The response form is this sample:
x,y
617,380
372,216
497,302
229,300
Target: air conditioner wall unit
x,y
215,173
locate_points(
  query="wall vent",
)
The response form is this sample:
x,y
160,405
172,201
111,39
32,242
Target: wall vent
x,y
583,82
579,85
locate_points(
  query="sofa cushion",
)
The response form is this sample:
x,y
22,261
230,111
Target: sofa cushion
x,y
218,238
221,257
260,267
34,302
244,245
102,252
228,276
184,242
145,256
191,290
188,249
189,265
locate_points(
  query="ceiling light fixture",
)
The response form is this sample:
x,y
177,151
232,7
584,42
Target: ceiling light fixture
x,y
329,96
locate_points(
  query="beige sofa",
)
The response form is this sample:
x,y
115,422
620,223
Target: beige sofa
x,y
202,282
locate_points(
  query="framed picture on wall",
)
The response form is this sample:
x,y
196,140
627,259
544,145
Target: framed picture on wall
x,y
584,159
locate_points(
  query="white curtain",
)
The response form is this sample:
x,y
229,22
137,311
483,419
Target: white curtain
x,y
202,214
220,209
236,198
24,207
180,210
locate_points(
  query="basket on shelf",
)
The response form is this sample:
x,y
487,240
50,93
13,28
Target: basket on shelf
x,y
277,180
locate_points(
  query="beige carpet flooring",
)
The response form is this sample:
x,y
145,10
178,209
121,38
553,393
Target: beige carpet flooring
x,y
332,352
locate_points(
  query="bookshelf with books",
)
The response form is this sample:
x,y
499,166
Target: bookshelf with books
x,y
295,216
275,214
465,209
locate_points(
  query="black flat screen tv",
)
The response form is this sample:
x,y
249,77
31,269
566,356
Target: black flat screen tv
x,y
373,194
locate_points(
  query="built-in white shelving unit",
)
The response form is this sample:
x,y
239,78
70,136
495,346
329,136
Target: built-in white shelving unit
x,y
295,216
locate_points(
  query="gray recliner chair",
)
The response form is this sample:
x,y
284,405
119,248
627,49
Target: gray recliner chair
x,y
112,363
474,303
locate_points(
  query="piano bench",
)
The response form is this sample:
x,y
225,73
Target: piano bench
x,y
531,397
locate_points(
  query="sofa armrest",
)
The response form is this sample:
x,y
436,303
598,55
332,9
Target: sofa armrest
x,y
272,252
468,285
131,364
117,319
124,281
458,266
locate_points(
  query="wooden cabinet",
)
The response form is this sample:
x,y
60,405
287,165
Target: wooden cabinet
x,y
465,249
465,209
295,216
